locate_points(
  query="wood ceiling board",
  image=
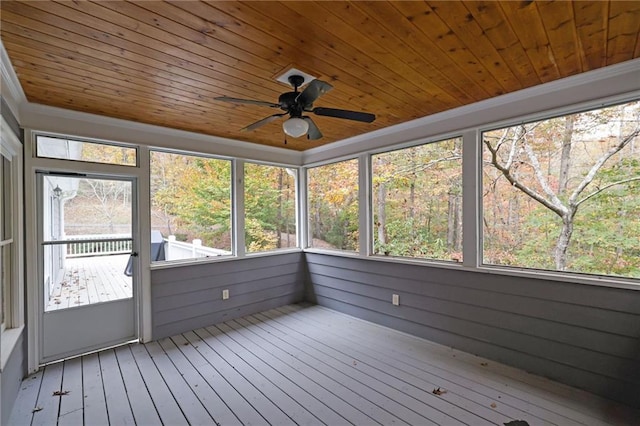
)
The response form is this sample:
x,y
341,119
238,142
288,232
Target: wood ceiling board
x,y
164,62
385,55
490,17
431,39
526,23
623,29
557,18
591,21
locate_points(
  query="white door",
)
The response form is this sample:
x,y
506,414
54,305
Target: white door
x,y
87,263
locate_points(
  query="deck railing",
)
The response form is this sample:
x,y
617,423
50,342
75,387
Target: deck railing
x,y
87,246
175,250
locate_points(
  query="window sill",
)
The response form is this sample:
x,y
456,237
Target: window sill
x,y
574,278
10,338
230,258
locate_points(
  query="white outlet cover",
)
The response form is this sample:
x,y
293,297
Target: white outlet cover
x,y
395,299
225,294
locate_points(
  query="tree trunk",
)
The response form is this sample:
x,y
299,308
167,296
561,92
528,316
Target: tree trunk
x,y
451,222
382,215
562,246
458,245
565,159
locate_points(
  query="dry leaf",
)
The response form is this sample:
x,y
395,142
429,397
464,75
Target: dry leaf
x,y
494,405
484,364
35,410
60,393
438,391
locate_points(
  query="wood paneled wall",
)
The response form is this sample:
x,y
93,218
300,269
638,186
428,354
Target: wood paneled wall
x,y
582,335
190,297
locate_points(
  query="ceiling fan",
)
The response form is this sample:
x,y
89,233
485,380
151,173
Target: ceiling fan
x,y
296,104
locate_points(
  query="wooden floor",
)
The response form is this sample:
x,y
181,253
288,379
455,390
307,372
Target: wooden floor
x,y
89,280
299,365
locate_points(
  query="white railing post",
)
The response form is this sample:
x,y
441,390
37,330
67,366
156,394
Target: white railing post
x,y
197,243
170,242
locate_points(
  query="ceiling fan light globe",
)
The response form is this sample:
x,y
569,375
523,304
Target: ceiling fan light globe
x,y
295,127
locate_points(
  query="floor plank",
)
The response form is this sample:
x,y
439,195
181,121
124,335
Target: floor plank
x,y
118,406
168,409
191,407
299,364
22,412
48,404
72,403
144,412
95,404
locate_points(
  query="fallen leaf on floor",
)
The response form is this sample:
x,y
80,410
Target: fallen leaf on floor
x,y
355,363
438,391
35,410
494,405
186,344
60,393
484,364
516,423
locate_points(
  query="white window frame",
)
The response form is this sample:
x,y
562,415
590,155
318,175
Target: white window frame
x,y
11,149
363,242
240,202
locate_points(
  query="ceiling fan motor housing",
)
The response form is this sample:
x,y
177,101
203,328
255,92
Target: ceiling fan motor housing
x,y
288,103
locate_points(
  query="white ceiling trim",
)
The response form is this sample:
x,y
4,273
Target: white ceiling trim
x,y
79,124
590,87
11,89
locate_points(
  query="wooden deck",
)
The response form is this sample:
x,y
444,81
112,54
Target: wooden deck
x,y
89,280
299,365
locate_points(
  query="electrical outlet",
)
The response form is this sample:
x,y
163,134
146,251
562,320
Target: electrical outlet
x,y
225,294
395,299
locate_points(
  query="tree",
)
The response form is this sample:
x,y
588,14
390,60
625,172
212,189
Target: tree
x,y
516,153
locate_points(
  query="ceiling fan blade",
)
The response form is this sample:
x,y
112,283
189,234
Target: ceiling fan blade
x,y
246,101
313,133
343,113
313,91
262,122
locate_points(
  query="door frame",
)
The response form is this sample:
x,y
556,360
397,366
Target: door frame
x,y
124,307
140,173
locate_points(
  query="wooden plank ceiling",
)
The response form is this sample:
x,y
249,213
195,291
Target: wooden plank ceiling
x,y
164,62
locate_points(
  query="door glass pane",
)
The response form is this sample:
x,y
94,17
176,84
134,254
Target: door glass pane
x,y
87,241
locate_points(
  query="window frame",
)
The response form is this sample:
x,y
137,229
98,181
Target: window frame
x,y
472,149
11,149
236,239
296,201
38,135
363,244
372,209
571,276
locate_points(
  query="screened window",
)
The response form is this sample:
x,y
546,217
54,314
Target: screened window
x,y
11,281
67,149
563,194
190,206
6,242
417,201
270,207
333,206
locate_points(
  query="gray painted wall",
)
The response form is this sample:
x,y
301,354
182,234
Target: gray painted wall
x,y
582,335
10,379
189,297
